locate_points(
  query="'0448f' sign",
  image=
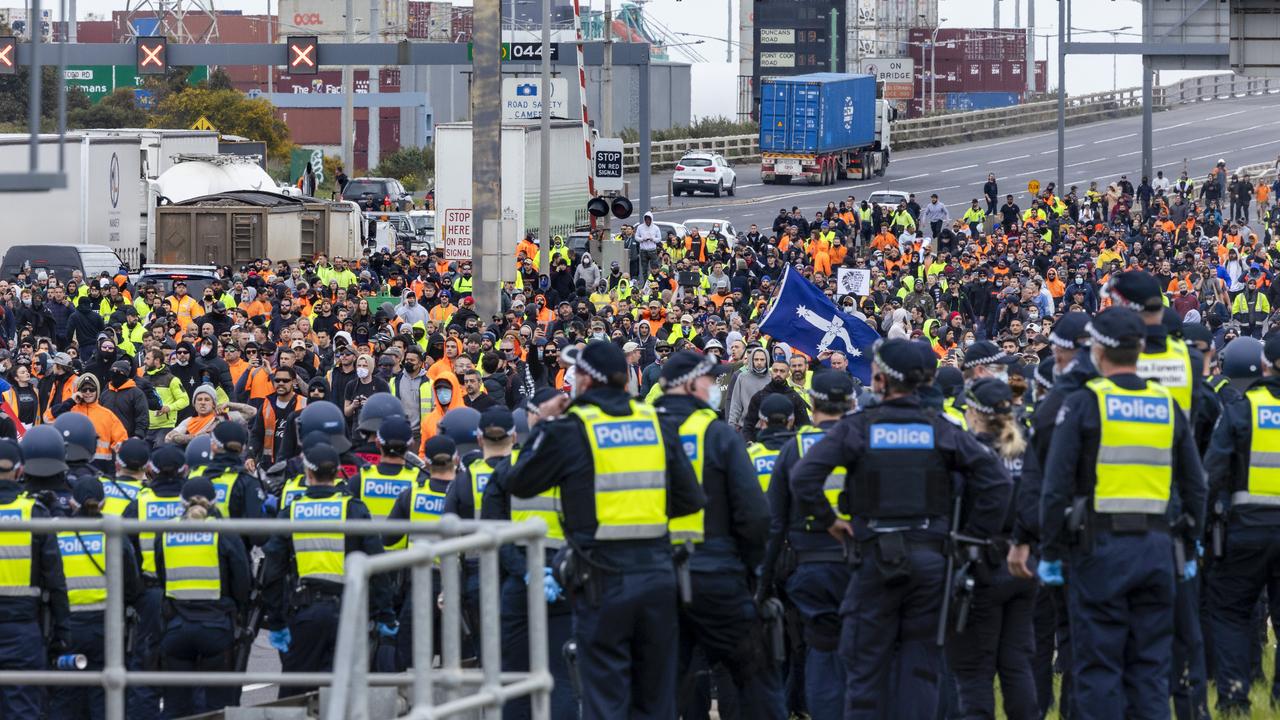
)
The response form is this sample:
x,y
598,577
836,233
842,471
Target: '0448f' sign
x,y
457,234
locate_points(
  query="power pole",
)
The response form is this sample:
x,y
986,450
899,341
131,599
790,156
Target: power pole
x,y
728,31
348,107
374,113
486,156
1030,71
995,13
543,261
606,94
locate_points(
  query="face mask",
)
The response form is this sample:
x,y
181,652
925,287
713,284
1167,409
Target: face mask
x,y
444,395
205,350
714,395
362,372
181,361
1002,374
26,301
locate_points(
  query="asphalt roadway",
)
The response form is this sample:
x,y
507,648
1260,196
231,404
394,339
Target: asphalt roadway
x,y
1242,131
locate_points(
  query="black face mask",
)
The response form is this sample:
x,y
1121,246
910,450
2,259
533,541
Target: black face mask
x,y
778,382
118,379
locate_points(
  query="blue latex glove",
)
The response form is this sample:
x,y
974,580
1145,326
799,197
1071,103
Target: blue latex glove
x,y
389,631
271,506
1050,572
1199,549
1189,570
280,639
550,587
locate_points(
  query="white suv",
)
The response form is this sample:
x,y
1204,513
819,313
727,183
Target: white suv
x,y
704,172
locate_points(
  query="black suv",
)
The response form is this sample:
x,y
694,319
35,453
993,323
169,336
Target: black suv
x,y
370,193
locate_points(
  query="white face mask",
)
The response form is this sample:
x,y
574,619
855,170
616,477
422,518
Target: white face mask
x,y
362,372
714,396
444,395
1001,374
205,350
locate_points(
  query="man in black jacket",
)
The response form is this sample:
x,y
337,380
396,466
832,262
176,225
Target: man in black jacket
x,y
778,385
122,396
84,325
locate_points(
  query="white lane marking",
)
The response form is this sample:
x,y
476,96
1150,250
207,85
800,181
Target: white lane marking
x,y
1135,152
1018,157
1085,162
949,187
256,686
1033,172
1170,127
962,167
1069,147
1112,139
769,198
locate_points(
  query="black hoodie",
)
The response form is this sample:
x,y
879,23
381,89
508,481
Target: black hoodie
x,y
213,367
189,375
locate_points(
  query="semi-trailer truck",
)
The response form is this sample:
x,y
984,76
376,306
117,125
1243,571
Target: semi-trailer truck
x,y
822,127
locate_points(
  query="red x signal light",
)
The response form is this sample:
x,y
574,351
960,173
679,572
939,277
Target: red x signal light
x,y
304,55
8,55
152,58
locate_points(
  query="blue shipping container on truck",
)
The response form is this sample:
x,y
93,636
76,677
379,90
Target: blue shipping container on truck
x,y
817,113
961,101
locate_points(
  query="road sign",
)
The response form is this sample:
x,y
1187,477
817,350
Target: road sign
x,y
608,164
8,55
889,70
304,55
522,52
522,98
457,234
151,55
203,124
899,91
1033,187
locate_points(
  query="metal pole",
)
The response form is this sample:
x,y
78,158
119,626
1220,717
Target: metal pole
x,y
646,148
1017,13
486,156
271,37
1062,92
728,31
606,89
933,73
490,639
544,147
833,60
995,13
1031,47
113,665
62,93
375,113
423,635
69,17
348,90
1114,85
1147,102
35,74
539,652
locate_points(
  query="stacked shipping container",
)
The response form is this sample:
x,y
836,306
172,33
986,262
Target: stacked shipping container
x,y
977,68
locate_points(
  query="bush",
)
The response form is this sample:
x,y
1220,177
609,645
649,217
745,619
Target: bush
x,y
704,128
414,167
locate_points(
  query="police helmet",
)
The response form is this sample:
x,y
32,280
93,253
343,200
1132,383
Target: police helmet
x,y
1242,359
79,434
43,451
461,424
323,416
377,407
199,451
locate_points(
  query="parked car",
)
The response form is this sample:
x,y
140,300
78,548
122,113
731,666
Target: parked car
x,y
706,227
391,230
424,226
704,172
373,193
888,199
60,260
197,278
665,227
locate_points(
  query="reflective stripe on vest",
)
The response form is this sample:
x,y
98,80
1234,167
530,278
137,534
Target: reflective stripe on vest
x,y
379,492
763,459
154,507
806,437
629,461
191,570
1172,369
84,561
545,505
319,556
693,439
1264,451
15,551
480,471
1135,448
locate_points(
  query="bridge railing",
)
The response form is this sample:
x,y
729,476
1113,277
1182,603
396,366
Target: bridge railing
x,y
948,128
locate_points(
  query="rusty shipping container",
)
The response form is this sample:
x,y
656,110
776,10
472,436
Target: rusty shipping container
x,y
225,232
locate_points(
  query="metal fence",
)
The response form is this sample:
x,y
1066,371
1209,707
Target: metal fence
x,y
448,538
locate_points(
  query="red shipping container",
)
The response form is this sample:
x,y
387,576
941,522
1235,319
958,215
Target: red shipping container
x,y
1042,85
992,76
1015,77
94,31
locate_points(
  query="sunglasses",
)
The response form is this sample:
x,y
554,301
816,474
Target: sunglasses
x,y
281,380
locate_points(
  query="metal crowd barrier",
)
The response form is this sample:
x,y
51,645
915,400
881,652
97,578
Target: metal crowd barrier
x,y
449,537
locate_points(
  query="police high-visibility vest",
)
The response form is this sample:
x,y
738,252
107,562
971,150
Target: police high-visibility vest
x,y
953,413
319,556
117,494
222,485
480,471
15,551
84,562
154,507
1135,448
763,458
630,472
545,505
693,439
191,570
379,492
1264,451
294,488
1172,369
834,484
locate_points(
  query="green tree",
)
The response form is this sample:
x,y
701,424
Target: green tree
x,y
411,166
13,95
219,79
229,111
117,110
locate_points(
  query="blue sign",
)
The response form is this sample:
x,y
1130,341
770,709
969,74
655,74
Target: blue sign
x,y
627,433
1137,409
428,504
145,27
910,436
144,99
317,511
384,488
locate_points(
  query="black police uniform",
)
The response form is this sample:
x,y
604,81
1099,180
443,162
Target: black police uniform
x,y
900,458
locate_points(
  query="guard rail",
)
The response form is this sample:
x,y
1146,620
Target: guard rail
x,y
958,127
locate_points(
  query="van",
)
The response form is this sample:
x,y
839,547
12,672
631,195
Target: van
x,y
60,260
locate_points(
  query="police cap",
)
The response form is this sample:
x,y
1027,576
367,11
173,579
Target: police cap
x,y
985,352
321,458
229,434
394,432
948,379
1069,332
10,455
686,366
902,361
134,453
1117,327
498,418
1044,373
601,360
168,459
1195,333
440,445
199,487
43,451
312,439
990,397
832,386
542,395
776,406
88,488
1136,290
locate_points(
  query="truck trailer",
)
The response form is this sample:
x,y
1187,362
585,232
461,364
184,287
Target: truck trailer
x,y
822,127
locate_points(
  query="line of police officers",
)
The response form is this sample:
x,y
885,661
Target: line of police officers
x,y
888,534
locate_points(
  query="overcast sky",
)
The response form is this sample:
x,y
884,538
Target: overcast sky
x,y
715,81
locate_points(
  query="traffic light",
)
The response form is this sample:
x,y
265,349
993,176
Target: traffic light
x,y
599,207
151,55
304,55
621,208
8,55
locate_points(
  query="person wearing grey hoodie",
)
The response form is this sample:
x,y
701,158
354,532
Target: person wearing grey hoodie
x,y
745,383
587,272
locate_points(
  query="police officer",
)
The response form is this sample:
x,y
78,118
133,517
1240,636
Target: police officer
x,y
498,504
206,580
1242,466
817,584
239,494
777,420
82,441
998,637
131,474
198,454
727,537
376,408
84,564
380,485
302,617
1122,453
901,458
30,573
622,478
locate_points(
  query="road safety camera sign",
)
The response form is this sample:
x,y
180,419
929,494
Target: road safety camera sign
x,y
522,98
457,234
608,164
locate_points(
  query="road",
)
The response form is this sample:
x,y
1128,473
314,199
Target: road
x,y
1240,130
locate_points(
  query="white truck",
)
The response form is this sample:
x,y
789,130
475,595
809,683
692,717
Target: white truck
x,y
520,173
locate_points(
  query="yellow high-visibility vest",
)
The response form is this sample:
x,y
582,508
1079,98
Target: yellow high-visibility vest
x,y
630,472
1135,449
693,439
